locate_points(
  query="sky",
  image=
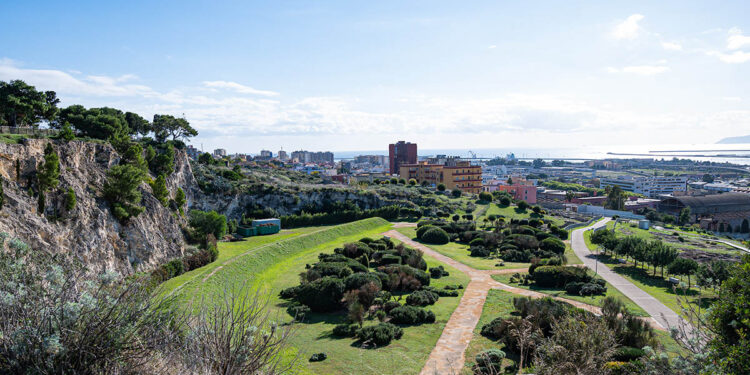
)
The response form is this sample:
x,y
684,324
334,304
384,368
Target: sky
x,y
356,75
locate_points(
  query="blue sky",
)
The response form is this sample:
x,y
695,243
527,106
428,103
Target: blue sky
x,y
358,75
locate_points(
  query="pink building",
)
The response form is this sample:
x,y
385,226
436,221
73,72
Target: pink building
x,y
522,192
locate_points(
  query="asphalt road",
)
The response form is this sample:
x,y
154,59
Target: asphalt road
x,y
663,315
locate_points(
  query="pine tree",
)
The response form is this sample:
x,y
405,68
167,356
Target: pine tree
x,y
49,169
159,188
70,200
66,133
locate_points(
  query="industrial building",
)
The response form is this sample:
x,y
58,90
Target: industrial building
x,y
652,187
717,212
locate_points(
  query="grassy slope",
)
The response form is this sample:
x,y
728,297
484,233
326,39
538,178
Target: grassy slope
x,y
498,303
594,300
275,263
460,252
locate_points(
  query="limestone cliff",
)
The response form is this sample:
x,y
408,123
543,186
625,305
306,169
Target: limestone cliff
x,y
89,232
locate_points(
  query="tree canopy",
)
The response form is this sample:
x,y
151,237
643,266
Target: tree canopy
x,y
22,105
167,125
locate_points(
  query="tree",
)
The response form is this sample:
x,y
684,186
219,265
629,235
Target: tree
x,y
745,227
70,200
538,163
707,178
49,169
206,223
615,198
456,217
662,255
99,123
526,336
683,266
713,274
569,195
509,181
137,124
179,199
485,197
163,163
522,205
730,318
684,216
441,187
205,158
558,163
412,182
166,125
159,189
576,346
456,193
121,190
22,105
134,156
66,133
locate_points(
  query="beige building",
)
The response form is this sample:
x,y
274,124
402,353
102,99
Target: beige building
x,y
462,175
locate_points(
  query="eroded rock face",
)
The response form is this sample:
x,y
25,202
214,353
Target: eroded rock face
x,y
89,232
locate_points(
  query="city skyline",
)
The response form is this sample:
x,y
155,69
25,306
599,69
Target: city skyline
x,y
344,77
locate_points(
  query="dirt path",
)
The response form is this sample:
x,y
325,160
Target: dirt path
x,y
448,355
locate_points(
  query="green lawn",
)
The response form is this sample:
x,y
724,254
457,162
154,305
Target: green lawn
x,y
593,300
273,263
460,252
405,356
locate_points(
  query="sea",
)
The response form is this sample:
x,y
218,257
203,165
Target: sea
x,y
720,153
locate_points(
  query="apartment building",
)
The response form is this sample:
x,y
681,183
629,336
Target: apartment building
x,y
462,175
401,153
652,187
313,157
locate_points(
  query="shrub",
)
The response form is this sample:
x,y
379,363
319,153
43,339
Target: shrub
x,y
489,362
299,312
627,354
289,293
552,244
317,357
436,236
206,223
390,305
477,242
390,259
345,330
438,272
174,268
592,289
422,298
422,229
485,197
559,276
520,256
479,251
456,193
357,280
380,334
524,241
70,199
441,187
411,315
322,295
335,269
380,315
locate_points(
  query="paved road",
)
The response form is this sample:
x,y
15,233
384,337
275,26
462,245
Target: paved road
x,y
663,315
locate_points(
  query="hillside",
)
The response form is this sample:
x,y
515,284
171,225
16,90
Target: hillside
x,y
89,231
735,140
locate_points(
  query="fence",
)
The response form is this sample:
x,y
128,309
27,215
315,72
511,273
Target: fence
x,y
27,130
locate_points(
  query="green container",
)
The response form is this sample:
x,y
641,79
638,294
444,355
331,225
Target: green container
x,y
267,229
246,231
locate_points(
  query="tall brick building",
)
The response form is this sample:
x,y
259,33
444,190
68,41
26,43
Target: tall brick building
x,y
401,153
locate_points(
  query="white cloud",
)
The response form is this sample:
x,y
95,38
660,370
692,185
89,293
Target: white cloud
x,y
628,29
671,46
736,40
732,98
492,47
736,57
93,85
239,88
644,70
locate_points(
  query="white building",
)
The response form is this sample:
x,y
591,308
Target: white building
x,y
652,187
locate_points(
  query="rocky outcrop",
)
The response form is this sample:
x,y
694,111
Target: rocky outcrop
x,y
89,232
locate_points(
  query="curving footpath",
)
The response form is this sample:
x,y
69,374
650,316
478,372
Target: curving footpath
x,y
662,314
448,355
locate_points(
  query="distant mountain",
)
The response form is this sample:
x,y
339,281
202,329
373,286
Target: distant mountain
x,y
733,140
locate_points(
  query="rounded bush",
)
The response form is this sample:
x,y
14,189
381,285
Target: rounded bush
x,y
390,259
424,228
436,236
322,295
345,330
489,362
317,357
477,242
411,315
552,244
357,280
559,276
422,298
335,269
380,334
